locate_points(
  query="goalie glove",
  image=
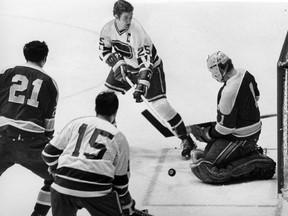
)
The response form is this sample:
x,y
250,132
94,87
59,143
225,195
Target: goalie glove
x,y
127,204
143,85
118,65
202,134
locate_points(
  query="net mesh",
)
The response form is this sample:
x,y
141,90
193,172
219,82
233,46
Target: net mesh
x,y
285,135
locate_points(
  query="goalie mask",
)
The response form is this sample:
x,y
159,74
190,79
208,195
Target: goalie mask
x,y
217,64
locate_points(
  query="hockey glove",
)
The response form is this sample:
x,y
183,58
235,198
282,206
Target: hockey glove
x,y
143,85
139,90
118,64
127,204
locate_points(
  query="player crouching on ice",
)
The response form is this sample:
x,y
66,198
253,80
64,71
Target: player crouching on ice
x,y
231,152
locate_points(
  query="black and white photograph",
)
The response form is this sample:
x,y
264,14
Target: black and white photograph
x,y
143,107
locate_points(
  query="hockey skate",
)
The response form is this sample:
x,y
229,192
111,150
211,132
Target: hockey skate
x,y
188,145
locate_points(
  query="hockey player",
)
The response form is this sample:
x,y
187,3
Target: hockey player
x,y
231,152
129,51
90,162
28,100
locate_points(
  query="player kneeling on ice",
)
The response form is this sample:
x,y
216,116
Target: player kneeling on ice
x,y
89,160
231,152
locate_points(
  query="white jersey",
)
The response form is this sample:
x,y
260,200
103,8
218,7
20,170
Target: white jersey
x,y
133,44
91,156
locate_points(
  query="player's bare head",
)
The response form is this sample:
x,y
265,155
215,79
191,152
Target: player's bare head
x,y
35,51
122,6
219,64
106,103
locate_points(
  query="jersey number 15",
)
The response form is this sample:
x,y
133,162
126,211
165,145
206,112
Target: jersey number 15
x,y
92,142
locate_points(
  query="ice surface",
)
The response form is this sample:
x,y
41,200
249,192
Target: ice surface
x,y
184,33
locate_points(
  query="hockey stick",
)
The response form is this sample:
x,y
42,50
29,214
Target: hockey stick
x,y
166,128
141,213
157,124
166,133
212,123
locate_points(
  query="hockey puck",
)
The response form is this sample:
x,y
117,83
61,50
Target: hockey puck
x,y
171,172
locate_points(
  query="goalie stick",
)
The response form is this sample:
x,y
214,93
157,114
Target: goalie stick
x,y
167,133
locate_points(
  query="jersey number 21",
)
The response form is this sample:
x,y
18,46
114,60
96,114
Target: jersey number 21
x,y
21,85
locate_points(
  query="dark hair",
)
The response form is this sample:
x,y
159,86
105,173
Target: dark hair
x,y
122,6
35,51
106,103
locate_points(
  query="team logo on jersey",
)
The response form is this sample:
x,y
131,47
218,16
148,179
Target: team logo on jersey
x,y
123,48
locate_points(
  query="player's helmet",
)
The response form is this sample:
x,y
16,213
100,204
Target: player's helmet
x,y
218,64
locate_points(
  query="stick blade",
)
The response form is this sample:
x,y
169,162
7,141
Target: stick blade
x,y
157,124
141,212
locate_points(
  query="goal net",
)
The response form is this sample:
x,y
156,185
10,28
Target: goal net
x,y
282,120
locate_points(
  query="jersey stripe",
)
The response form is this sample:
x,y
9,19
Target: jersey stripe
x,y
20,124
84,175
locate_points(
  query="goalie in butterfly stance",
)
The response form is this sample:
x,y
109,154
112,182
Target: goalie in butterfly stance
x,y
129,51
231,152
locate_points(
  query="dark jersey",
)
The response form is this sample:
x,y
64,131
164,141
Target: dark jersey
x,y
237,108
28,99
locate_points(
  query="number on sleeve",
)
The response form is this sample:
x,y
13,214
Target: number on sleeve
x,y
145,50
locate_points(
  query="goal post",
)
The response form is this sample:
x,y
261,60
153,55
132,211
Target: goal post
x,y
282,119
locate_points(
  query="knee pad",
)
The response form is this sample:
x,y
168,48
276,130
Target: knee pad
x,y
252,166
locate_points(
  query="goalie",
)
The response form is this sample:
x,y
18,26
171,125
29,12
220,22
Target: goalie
x,y
231,152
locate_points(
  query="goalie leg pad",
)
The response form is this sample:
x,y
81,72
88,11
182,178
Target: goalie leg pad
x,y
253,166
208,173
196,156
